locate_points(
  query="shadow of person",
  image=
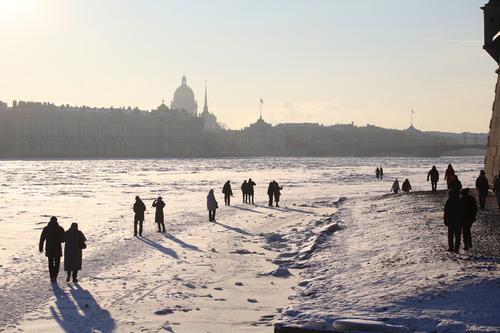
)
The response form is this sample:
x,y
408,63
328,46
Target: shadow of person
x,y
159,247
247,209
79,312
181,242
238,230
287,209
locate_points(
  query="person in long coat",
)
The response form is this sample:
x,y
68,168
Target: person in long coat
x,y
159,204
228,193
139,209
277,193
395,186
212,205
455,184
449,175
468,213
482,187
433,175
270,193
74,243
52,235
377,173
406,187
244,191
251,192
496,188
453,220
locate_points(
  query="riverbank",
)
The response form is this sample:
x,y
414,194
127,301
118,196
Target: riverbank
x,y
388,262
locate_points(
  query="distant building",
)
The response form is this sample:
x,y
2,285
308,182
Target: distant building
x,y
184,99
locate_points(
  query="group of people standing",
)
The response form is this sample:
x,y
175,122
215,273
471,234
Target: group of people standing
x,y
459,214
53,235
248,191
139,208
379,173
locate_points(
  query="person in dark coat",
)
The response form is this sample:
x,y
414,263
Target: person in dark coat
x,y
406,187
453,220
139,209
270,193
455,184
277,192
377,173
244,191
74,243
395,186
496,188
381,173
251,185
482,187
433,175
159,217
228,193
449,175
469,210
52,235
212,205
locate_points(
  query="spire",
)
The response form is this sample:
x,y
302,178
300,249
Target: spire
x,y
205,106
183,79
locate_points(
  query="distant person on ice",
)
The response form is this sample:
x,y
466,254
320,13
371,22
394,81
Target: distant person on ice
x,y
455,184
228,193
496,188
482,187
448,175
406,187
469,210
395,186
377,173
251,185
277,192
453,220
381,173
212,205
74,244
270,193
139,209
244,191
159,216
52,235
433,175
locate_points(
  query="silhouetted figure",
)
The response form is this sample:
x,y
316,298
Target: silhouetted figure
x,y
496,188
482,187
406,187
73,246
277,192
53,236
452,219
244,191
468,212
455,184
395,186
212,205
139,209
270,193
377,173
228,193
449,175
159,216
433,175
381,173
251,185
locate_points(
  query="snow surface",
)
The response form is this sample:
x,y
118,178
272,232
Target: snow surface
x,y
215,277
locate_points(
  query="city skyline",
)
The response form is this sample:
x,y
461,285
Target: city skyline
x,y
307,62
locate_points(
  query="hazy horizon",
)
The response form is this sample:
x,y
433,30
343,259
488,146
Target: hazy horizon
x,y
321,61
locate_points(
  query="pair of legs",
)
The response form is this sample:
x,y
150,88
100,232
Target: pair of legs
x,y
211,215
227,199
54,263
277,200
161,225
250,198
138,221
75,273
270,200
482,200
434,186
467,236
454,234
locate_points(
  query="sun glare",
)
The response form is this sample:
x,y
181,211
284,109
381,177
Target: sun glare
x,y
12,7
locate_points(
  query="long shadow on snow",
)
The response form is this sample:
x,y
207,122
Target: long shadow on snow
x,y
247,209
238,230
159,247
80,312
288,209
181,242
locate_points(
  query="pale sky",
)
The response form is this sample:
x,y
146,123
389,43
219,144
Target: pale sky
x,y
331,61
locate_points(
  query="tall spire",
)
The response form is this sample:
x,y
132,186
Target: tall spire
x,y
205,106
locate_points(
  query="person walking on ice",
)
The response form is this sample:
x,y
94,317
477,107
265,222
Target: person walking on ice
x,y
228,193
433,175
251,185
244,191
212,206
74,243
159,216
277,192
52,235
482,187
139,209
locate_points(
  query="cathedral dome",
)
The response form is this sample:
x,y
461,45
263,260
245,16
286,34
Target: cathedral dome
x,y
184,98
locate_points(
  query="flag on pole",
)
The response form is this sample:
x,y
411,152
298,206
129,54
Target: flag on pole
x,y
261,101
